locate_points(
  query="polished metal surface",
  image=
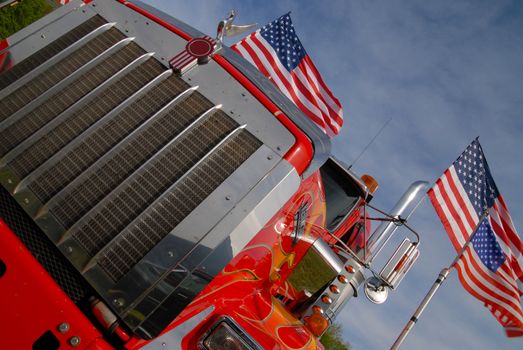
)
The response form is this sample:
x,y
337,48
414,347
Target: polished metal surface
x,y
53,89
26,181
400,263
406,205
327,254
340,290
44,65
74,108
173,338
321,142
375,290
49,28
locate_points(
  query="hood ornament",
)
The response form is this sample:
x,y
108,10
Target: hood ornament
x,y
227,29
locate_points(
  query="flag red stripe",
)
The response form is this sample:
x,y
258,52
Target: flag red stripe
x,y
284,81
500,288
482,271
303,85
459,198
456,218
331,116
443,216
493,298
320,80
293,82
311,83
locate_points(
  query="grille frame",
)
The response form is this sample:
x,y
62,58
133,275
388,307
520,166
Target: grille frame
x,y
226,206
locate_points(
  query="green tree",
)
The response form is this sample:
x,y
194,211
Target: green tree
x,y
332,339
15,17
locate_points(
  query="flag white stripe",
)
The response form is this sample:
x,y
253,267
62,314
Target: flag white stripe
x,y
486,296
336,107
458,234
276,78
457,208
239,47
288,78
298,74
463,194
303,85
493,278
454,226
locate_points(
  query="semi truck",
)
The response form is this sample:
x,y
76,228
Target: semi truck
x,y
150,205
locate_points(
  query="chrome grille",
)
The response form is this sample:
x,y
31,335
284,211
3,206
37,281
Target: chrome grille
x,y
98,181
71,93
103,138
33,61
186,194
113,155
57,72
79,121
141,189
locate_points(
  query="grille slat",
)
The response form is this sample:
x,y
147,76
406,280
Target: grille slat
x,y
85,152
138,192
58,103
82,119
124,159
34,88
36,59
131,245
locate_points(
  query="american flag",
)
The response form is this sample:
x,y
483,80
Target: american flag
x,y
491,268
278,53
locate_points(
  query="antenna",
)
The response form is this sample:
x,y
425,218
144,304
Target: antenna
x,y
371,142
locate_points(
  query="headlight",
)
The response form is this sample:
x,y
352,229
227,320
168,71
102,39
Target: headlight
x,y
226,335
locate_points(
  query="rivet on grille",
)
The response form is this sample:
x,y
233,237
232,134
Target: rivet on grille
x,y
350,268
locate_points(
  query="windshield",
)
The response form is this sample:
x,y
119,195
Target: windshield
x,y
341,194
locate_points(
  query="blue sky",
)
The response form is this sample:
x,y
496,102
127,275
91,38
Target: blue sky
x,y
445,72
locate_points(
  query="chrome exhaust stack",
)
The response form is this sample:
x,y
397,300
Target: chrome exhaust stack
x,y
400,213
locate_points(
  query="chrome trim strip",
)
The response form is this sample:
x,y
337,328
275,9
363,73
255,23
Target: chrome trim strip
x,y
73,108
45,208
173,338
93,260
22,185
41,215
327,254
53,60
13,118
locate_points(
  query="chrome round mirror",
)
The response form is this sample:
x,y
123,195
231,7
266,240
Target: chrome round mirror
x,y
376,291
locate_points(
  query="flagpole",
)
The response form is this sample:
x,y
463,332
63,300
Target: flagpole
x,y
439,281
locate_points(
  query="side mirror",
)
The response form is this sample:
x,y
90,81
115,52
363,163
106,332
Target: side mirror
x,y
400,263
